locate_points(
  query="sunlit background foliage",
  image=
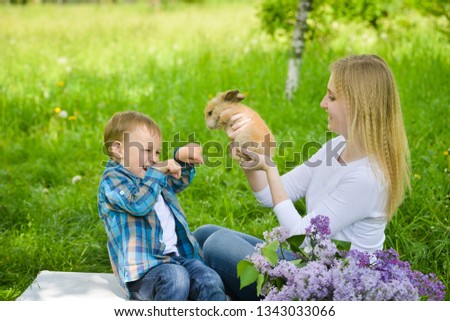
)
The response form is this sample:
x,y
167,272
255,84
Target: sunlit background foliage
x,y
66,68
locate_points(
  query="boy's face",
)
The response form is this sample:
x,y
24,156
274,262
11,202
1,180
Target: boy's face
x,y
139,150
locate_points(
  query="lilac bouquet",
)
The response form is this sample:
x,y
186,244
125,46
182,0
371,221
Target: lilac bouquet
x,y
319,268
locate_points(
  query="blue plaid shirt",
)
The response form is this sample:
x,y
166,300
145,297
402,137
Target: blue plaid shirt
x,y
135,237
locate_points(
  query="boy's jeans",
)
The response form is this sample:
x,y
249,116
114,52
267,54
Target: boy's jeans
x,y
191,279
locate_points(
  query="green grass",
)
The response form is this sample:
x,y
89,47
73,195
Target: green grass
x,y
95,60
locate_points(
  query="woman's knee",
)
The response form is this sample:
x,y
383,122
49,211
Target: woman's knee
x,y
224,247
217,241
223,251
204,232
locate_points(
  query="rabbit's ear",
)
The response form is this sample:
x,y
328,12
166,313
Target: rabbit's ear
x,y
240,97
233,96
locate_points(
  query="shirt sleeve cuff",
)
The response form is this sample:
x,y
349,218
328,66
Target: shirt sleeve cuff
x,y
286,213
182,164
264,197
262,192
285,206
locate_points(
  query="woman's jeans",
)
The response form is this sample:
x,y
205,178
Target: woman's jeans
x,y
223,249
190,279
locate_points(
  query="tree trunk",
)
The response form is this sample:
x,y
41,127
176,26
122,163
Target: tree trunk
x,y
155,4
298,44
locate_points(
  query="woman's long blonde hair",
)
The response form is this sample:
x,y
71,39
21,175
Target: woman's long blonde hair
x,y
375,119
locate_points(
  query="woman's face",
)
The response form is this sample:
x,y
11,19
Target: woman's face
x,y
336,107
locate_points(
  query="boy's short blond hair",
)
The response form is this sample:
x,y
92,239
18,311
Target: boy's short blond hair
x,y
123,122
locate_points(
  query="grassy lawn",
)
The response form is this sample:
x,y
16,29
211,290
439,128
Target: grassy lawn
x,y
92,61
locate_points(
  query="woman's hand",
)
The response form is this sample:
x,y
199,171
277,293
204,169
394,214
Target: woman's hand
x,y
190,153
170,167
257,161
264,163
256,178
239,122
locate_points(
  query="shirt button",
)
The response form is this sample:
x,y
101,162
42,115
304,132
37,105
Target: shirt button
x,y
122,192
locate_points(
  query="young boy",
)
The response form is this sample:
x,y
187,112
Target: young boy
x,y
152,251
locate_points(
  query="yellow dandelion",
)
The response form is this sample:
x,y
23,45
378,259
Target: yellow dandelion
x,y
57,110
60,83
73,117
446,153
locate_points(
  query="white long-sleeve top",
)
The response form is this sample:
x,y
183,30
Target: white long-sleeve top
x,y
352,195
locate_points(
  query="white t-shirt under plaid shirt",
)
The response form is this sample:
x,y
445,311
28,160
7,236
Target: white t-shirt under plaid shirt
x,y
167,220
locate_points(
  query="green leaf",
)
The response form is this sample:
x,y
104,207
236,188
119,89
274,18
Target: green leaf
x,y
295,241
270,252
279,283
247,273
298,263
262,279
342,245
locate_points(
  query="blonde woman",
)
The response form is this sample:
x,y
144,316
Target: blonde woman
x,y
357,179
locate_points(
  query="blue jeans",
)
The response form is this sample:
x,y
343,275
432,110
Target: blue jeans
x,y
223,249
190,279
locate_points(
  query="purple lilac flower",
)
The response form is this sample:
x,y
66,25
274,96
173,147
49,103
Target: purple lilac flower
x,y
388,263
395,290
352,282
319,228
356,275
277,234
362,258
285,294
316,282
345,279
429,286
325,251
285,270
398,281
260,263
308,283
403,290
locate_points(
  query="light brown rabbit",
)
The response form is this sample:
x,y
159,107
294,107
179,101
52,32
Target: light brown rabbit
x,y
252,137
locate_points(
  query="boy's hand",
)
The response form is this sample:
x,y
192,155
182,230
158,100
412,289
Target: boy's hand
x,y
190,153
170,167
